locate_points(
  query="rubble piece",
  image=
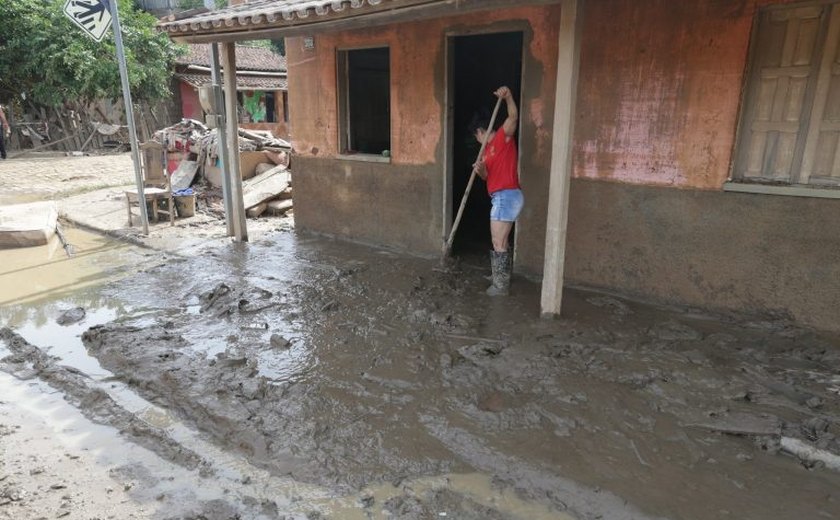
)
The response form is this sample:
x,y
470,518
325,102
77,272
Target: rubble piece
x,y
182,178
263,167
278,341
265,187
71,316
182,136
264,138
279,207
280,158
807,453
743,424
257,210
285,194
27,225
248,162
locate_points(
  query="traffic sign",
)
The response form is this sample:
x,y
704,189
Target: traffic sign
x,y
92,16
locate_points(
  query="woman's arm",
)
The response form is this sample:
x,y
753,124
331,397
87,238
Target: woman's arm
x,y
512,122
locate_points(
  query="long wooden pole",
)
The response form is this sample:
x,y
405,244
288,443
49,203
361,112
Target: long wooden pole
x,y
447,247
42,146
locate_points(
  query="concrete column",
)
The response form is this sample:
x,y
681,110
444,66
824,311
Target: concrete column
x,y
240,230
568,60
224,162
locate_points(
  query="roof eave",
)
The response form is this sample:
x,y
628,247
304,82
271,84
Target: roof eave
x,y
407,11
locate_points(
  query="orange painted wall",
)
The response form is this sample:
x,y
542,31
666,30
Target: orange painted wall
x,y
660,89
408,193
417,51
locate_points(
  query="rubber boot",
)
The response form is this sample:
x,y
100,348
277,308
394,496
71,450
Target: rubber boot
x,y
501,274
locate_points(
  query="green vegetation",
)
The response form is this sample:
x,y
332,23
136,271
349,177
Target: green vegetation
x,y
46,58
278,46
196,4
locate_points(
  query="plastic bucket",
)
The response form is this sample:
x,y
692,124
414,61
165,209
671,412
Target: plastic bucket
x,y
185,205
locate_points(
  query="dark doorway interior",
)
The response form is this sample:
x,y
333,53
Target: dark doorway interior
x,y
480,65
369,100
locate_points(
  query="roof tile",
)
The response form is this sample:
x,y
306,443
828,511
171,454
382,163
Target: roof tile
x,y
247,58
266,11
243,82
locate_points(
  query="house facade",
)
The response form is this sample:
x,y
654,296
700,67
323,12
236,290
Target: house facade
x,y
261,83
703,136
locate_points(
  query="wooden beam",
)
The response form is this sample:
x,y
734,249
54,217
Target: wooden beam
x,y
568,60
240,230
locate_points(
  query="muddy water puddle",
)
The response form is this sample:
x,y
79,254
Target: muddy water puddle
x,y
149,482
306,377
46,272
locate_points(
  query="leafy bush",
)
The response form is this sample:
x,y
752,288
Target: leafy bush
x,y
45,57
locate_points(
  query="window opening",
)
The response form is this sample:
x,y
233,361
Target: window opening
x,y
365,93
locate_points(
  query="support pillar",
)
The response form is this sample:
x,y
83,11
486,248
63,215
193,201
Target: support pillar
x,y
221,122
240,230
568,60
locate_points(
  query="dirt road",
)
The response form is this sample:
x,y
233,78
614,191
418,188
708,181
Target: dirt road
x,y
299,377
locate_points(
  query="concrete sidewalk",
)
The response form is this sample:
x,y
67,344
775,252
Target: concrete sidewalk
x,y
104,211
47,177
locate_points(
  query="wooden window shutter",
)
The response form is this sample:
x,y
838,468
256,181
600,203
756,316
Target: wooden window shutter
x,y
785,63
821,159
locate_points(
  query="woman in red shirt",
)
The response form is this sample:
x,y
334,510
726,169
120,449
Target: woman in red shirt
x,y
499,168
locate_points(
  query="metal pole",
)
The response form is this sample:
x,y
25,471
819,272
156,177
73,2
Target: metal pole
x,y
129,112
221,134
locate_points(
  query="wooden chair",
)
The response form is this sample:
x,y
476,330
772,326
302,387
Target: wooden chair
x,y
156,186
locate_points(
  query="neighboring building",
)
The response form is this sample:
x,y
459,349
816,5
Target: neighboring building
x,y
704,155
261,83
166,7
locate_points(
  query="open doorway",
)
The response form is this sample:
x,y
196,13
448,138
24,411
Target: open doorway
x,y
479,64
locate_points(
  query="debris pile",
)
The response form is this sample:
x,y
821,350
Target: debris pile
x,y
264,164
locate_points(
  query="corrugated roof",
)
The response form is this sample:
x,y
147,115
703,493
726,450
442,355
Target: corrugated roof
x,y
243,82
270,13
247,58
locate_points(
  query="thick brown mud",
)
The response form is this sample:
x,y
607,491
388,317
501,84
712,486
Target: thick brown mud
x,y
350,368
300,377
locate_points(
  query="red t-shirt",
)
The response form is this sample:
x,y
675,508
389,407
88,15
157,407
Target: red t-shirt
x,y
501,159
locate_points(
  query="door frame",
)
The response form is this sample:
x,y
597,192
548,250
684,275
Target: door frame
x,y
449,111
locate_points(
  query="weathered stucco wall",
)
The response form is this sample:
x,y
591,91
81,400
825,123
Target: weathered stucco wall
x,y
707,248
660,88
412,185
659,94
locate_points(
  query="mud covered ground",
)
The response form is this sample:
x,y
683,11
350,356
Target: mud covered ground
x,y
309,378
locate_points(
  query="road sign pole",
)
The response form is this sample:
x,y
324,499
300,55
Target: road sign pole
x,y
129,113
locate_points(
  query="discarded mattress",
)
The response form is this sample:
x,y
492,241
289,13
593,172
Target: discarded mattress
x,y
27,225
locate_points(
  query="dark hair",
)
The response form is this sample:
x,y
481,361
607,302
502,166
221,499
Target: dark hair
x,y
479,121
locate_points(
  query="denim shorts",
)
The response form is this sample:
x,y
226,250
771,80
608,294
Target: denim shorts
x,y
506,205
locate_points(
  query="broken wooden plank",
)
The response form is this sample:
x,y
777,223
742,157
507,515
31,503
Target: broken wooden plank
x,y
257,210
265,187
279,207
